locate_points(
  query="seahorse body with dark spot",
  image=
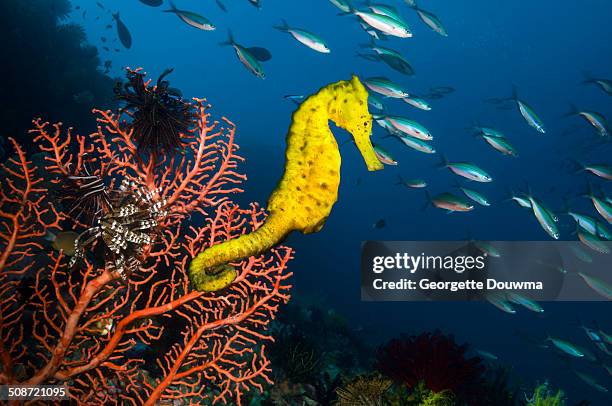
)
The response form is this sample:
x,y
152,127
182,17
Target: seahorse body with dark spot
x,y
308,188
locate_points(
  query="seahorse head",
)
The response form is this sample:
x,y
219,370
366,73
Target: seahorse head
x,y
348,108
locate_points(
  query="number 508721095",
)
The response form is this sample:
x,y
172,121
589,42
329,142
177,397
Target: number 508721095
x,y
39,392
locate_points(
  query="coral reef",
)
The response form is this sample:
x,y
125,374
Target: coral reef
x,y
314,353
296,357
138,334
423,396
497,388
435,361
363,391
308,188
336,347
544,396
287,393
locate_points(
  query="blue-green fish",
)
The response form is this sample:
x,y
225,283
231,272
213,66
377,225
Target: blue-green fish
x,y
521,199
566,347
589,380
473,195
592,241
602,205
190,18
417,144
383,156
559,268
600,286
342,5
602,170
524,201
466,170
449,202
383,23
391,57
545,218
524,301
410,127
375,102
305,37
603,84
591,333
500,302
385,87
384,123
486,355
597,339
417,102
501,144
607,338
296,98
601,346
383,9
246,57
581,254
430,19
588,354
491,132
497,140
386,10
412,183
597,120
528,113
590,224
487,248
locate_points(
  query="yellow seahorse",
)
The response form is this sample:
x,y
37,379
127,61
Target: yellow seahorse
x,y
308,189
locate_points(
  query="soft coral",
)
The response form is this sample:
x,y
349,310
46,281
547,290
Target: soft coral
x,y
434,359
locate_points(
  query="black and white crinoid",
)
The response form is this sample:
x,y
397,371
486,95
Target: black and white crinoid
x,y
158,114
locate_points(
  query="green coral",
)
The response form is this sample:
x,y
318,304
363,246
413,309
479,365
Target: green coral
x,y
543,396
444,398
421,396
430,398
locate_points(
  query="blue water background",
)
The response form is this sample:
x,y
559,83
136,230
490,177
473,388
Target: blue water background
x,y
541,47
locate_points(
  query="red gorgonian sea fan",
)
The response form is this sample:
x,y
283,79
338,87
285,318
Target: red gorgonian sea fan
x,y
121,323
433,359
